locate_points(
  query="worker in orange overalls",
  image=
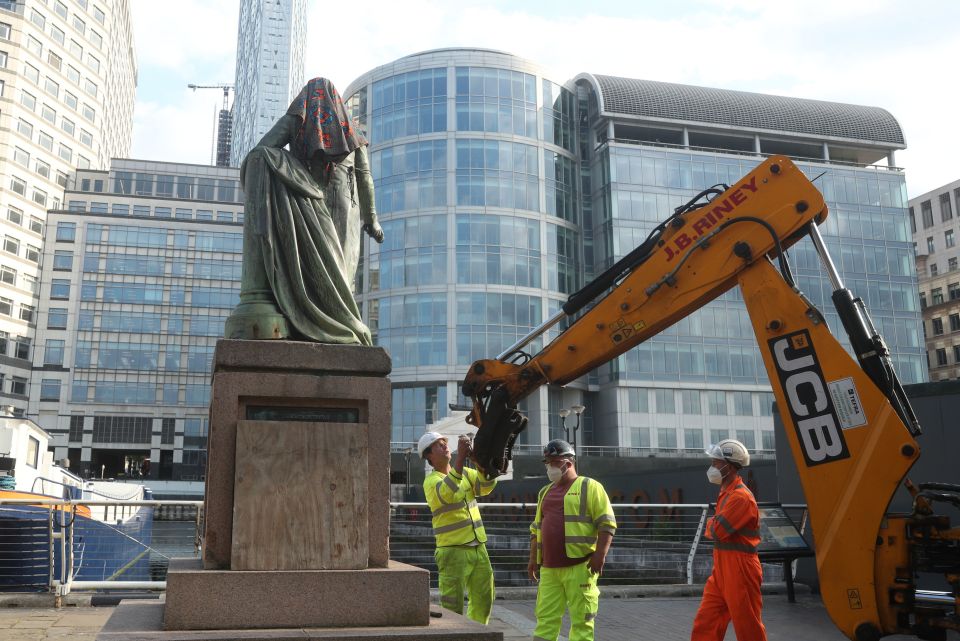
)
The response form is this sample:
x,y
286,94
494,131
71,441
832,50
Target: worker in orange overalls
x,y
733,590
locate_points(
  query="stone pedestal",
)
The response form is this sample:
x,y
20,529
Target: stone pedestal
x,y
296,509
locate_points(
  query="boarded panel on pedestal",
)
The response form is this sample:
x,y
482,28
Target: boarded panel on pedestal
x,y
300,498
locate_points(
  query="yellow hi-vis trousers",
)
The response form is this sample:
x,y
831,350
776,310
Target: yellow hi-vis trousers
x,y
465,568
574,587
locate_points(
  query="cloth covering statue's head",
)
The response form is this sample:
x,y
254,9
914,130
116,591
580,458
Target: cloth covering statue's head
x,y
325,126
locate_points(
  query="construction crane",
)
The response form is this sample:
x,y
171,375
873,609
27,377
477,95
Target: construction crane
x,y
224,127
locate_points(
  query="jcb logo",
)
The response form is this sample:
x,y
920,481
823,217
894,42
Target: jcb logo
x,y
808,401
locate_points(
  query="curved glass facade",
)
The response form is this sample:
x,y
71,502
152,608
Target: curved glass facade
x,y
472,154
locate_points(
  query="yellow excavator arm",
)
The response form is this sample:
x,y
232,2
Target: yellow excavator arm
x,y
850,426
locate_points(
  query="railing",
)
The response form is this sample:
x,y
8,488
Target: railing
x,y
401,447
51,545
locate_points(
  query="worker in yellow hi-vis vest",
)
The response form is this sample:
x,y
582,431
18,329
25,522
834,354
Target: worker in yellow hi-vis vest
x,y
461,554
569,540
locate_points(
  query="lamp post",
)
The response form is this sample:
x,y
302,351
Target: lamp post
x,y
578,410
564,413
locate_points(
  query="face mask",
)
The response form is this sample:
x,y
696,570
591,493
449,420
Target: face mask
x,y
555,473
714,475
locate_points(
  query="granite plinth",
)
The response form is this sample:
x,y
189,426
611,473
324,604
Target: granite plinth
x,y
142,621
296,377
197,599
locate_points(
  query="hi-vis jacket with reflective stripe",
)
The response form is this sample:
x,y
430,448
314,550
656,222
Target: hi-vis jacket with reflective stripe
x,y
586,511
453,501
736,525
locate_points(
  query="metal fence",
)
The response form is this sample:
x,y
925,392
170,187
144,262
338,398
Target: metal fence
x,y
52,545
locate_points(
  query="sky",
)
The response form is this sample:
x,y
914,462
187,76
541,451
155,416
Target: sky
x,y
885,53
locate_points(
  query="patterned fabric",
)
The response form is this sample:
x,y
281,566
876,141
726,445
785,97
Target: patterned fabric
x,y
325,125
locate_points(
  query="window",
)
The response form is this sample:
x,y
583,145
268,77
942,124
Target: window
x,y
24,128
936,296
954,322
89,112
63,260
667,438
717,403
90,87
68,125
27,312
42,168
57,318
30,283
8,275
952,264
62,179
52,87
66,231
19,386
6,306
49,114
73,75
93,62
926,212
929,244
28,100
21,157
15,216
38,19
96,39
32,254
948,238
3,59
18,186
60,9
53,353
742,403
65,153
4,31
50,389
57,34
33,445
937,324
945,212
11,244
693,439
60,289
31,72
83,162
86,138
22,348
941,357
40,197
76,49
79,24
46,141
953,291
34,46
665,401
70,100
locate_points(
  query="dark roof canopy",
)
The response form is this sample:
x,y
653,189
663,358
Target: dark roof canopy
x,y
742,109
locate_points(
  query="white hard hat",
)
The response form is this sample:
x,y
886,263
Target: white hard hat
x,y
428,439
730,450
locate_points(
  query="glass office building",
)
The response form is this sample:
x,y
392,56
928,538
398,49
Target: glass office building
x,y
271,40
140,271
502,190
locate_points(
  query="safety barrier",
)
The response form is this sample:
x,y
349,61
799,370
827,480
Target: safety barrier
x,y
52,545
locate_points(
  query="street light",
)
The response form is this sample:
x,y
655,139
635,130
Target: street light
x,y
564,413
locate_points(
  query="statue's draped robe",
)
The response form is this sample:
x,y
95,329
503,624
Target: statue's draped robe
x,y
307,228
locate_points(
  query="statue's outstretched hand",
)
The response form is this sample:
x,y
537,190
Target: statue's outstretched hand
x,y
375,231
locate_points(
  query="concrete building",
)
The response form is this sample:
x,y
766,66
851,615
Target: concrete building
x,y
270,46
502,190
68,77
933,221
140,270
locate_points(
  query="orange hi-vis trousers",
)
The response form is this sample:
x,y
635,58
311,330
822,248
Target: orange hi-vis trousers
x,y
732,592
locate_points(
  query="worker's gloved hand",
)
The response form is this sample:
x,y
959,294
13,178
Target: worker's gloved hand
x,y
595,564
464,449
375,231
532,571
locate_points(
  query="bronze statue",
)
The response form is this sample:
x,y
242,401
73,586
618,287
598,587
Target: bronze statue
x,y
301,236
